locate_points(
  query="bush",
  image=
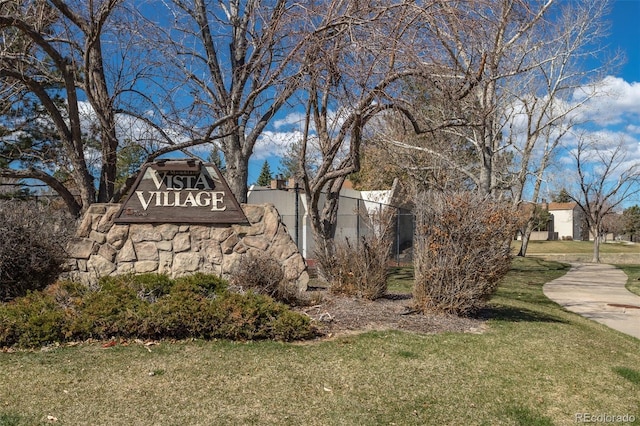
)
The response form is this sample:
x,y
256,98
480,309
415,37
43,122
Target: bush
x,y
263,274
149,306
67,294
289,325
32,246
206,285
148,287
32,320
361,270
178,316
462,250
255,316
112,310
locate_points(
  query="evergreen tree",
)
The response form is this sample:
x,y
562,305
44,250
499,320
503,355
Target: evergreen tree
x,y
631,221
265,175
217,157
290,163
562,197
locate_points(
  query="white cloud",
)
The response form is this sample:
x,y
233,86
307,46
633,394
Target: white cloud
x,y
616,103
294,119
633,128
609,118
273,143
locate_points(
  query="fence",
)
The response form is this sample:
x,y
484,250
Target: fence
x,y
353,220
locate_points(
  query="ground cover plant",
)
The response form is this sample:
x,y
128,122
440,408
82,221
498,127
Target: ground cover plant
x,y
535,364
148,306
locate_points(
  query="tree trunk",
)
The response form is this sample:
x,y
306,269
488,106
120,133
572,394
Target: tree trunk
x,y
324,223
84,181
525,237
596,245
486,171
237,180
237,168
98,93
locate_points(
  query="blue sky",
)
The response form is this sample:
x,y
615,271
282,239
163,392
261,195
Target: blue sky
x,y
613,117
625,34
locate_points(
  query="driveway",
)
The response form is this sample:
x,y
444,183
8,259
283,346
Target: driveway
x,y
597,292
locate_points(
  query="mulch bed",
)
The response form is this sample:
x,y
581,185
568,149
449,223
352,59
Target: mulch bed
x,y
339,315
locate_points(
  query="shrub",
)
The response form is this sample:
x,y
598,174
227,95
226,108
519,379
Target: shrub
x,y
206,285
289,325
193,306
67,294
254,316
33,320
263,274
148,287
361,270
32,246
462,250
113,310
179,315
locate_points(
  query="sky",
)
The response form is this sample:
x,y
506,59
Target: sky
x,y
625,35
612,118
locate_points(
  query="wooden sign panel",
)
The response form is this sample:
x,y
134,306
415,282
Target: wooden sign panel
x,y
180,191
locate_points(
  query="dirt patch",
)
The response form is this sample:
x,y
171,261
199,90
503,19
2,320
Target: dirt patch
x,y
339,315
621,305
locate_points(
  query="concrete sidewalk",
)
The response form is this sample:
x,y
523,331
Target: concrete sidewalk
x,y
597,292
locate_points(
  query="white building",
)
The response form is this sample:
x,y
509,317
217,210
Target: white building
x,y
567,220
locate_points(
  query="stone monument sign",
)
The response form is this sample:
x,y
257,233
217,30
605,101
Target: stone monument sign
x,y
186,191
179,218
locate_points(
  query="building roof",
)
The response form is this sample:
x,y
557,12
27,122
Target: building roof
x,y
562,206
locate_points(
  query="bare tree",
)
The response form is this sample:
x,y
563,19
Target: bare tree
x,y
481,52
422,160
349,80
542,109
498,97
606,177
64,67
231,62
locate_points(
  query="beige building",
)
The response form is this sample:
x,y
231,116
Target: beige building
x,y
567,220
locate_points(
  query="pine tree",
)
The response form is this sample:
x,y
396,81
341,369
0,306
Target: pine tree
x,y
561,197
265,175
217,157
631,221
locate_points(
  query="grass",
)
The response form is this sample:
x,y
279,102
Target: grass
x,y
633,280
535,365
575,247
400,279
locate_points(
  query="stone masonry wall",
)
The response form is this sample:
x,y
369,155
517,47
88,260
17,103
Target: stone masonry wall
x,y
102,247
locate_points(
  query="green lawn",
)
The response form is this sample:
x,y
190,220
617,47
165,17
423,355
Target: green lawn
x,y
400,279
633,274
575,247
536,364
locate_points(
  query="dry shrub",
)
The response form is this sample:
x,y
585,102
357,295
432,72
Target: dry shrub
x,y
361,270
263,274
462,250
32,243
